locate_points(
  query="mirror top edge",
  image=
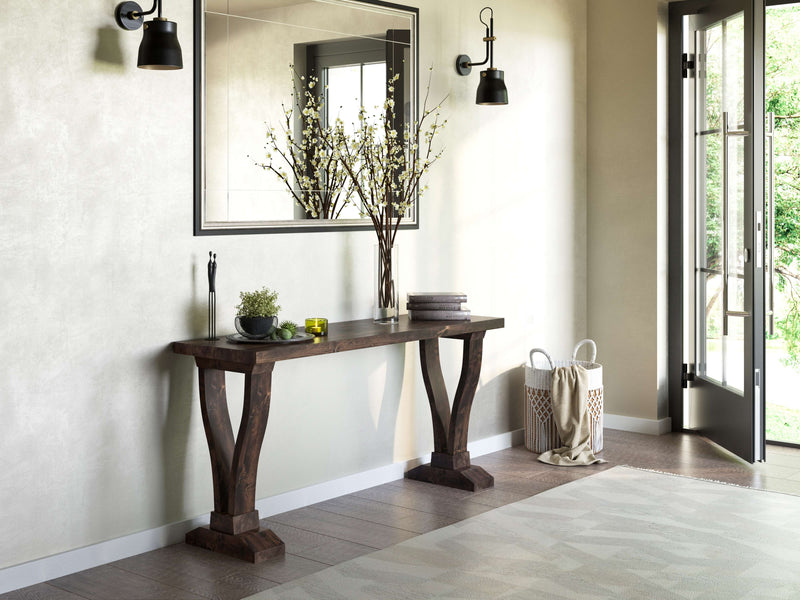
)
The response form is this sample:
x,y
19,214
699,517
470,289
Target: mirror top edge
x,y
246,8
332,32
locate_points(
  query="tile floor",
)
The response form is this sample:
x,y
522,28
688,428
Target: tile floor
x,y
340,529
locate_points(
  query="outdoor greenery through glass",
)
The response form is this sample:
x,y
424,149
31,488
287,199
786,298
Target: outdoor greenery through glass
x,y
782,79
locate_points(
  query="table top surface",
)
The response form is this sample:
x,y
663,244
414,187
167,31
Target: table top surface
x,y
342,337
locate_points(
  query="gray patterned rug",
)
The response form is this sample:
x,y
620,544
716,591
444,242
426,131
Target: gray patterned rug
x,y
622,534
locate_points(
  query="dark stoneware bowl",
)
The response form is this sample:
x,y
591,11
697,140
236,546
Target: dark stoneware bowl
x,y
256,328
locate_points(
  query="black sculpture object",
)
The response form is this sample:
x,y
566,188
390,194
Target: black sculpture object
x,y
212,296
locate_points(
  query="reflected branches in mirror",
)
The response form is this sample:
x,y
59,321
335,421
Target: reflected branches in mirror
x,y
315,178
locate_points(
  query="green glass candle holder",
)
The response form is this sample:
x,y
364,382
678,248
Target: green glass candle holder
x,y
317,325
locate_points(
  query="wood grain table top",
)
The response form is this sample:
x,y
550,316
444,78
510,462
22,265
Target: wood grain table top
x,y
342,337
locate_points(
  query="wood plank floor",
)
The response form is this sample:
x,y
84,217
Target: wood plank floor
x,y
343,528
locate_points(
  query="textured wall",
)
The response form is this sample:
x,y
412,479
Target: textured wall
x,y
626,203
102,434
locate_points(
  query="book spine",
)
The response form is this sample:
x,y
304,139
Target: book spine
x,y
439,315
433,306
436,297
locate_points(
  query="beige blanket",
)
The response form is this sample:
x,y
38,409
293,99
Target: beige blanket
x,y
570,393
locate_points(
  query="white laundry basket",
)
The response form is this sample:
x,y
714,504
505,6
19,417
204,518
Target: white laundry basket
x,y
541,434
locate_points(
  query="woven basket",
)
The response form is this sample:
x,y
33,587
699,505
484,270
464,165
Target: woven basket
x,y
541,434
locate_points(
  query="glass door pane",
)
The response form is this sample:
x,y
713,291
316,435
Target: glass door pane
x,y
721,202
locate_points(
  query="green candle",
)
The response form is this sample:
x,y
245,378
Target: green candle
x,y
317,325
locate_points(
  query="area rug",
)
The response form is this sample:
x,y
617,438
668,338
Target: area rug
x,y
622,534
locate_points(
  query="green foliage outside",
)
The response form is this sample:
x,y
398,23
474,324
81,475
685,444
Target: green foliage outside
x,y
261,303
783,423
782,78
783,98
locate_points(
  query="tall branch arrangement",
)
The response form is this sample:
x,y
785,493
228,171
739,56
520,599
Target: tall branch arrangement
x,y
307,163
385,167
375,163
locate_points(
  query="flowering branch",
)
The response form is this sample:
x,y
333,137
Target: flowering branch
x,y
315,176
385,168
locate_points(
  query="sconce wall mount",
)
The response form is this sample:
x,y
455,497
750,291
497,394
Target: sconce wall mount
x,y
492,88
160,49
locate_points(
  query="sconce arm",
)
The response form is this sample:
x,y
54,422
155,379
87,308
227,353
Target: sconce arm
x,y
463,62
129,14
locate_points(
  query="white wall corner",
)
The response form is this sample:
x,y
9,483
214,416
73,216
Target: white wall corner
x,y
637,425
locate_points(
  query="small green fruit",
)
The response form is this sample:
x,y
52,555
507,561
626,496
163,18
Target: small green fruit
x,y
273,335
285,334
290,325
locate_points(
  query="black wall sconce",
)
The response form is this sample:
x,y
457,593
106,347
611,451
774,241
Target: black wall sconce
x,y
492,89
159,49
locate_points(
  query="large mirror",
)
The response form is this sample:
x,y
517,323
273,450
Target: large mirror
x,y
255,59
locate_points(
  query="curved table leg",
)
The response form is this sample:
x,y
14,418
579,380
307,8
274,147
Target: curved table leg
x,y
450,463
234,527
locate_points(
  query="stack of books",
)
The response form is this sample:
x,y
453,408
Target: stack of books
x,y
437,306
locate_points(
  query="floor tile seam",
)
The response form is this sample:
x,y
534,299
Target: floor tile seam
x,y
151,578
526,497
325,534
169,585
438,514
53,583
319,562
322,562
332,512
328,538
234,571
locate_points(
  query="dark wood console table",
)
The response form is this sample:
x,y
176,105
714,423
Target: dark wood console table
x,y
234,527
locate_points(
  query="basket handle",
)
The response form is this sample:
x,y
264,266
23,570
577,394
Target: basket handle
x,y
540,351
581,343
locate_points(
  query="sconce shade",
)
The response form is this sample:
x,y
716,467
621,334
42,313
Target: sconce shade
x,y
492,88
160,49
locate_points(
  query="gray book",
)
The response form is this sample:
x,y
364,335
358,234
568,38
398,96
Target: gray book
x,y
434,306
439,315
448,297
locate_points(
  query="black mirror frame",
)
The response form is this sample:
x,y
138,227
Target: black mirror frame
x,y
198,64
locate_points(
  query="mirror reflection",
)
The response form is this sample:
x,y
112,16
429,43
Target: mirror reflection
x,y
260,57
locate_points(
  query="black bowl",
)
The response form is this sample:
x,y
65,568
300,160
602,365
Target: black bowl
x,y
256,328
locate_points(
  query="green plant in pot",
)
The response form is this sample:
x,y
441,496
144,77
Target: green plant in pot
x,y
257,313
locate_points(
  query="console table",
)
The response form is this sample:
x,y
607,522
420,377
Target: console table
x,y
234,528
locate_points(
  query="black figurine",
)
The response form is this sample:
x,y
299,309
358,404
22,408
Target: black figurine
x,y
212,296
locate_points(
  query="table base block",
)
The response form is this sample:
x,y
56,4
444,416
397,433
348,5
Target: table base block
x,y
252,546
472,478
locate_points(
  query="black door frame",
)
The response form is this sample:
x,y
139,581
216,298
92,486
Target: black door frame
x,y
675,358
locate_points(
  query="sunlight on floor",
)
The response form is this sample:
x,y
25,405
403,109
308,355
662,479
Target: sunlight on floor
x,y
781,471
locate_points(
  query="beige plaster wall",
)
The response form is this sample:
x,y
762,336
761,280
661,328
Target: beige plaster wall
x,y
102,434
626,202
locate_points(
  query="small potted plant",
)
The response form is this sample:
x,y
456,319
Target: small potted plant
x,y
257,313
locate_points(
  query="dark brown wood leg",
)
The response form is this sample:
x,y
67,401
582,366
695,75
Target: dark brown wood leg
x,y
234,527
450,463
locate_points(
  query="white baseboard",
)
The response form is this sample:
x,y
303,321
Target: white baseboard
x,y
353,483
72,561
637,425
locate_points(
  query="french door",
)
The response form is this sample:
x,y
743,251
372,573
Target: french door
x,y
722,202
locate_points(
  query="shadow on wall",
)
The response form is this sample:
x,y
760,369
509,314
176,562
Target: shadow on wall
x,y
108,51
175,426
176,381
506,394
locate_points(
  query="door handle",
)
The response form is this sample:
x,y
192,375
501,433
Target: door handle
x,y
726,134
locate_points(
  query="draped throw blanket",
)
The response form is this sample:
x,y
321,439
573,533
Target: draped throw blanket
x,y
570,393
